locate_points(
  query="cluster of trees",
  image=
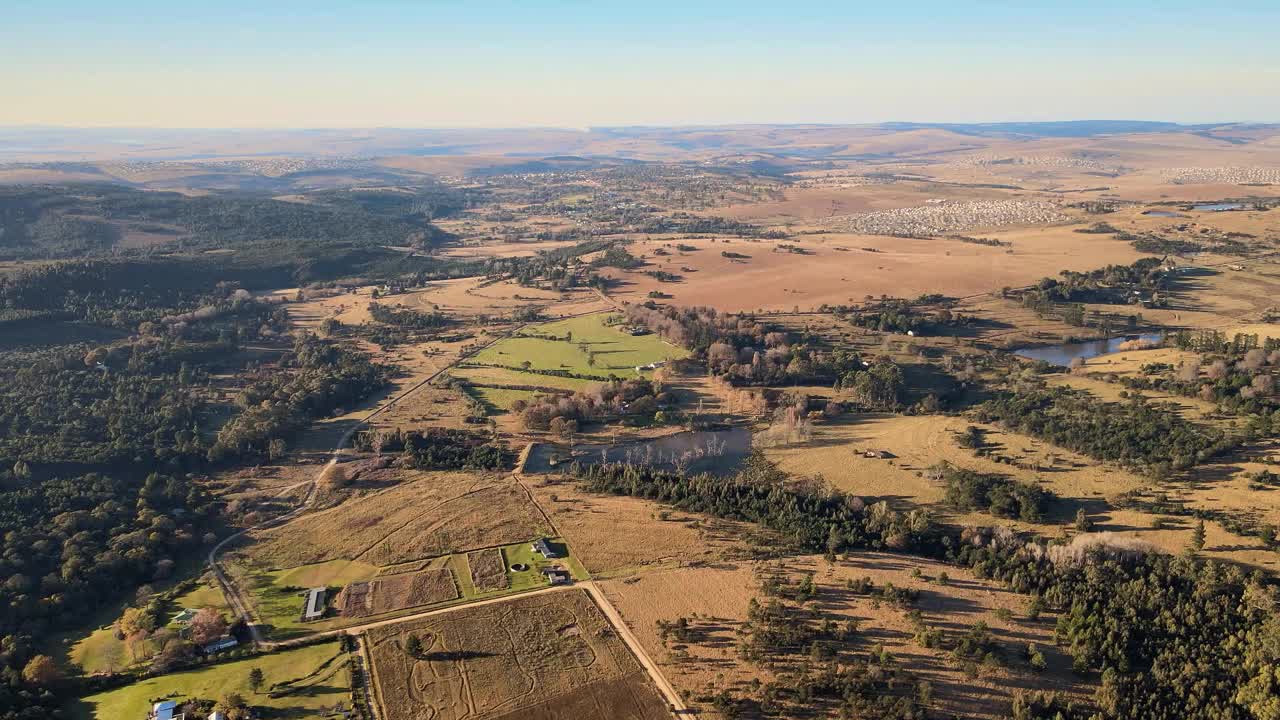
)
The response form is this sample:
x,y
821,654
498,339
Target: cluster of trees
x,y
743,350
1112,285
638,397
71,543
618,257
1170,637
1239,376
436,448
811,520
689,224
900,315
995,494
815,667
314,380
1150,437
878,385
406,318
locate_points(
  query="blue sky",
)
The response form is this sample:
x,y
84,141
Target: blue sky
x,y
575,64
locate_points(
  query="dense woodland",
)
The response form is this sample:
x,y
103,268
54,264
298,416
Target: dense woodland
x,y
102,442
436,448
44,222
1144,435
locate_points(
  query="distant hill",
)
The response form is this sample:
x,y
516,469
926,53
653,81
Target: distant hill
x,y
1062,128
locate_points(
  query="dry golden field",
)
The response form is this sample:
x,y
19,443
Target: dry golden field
x,y
843,269
397,592
426,514
714,600
488,570
615,535
546,657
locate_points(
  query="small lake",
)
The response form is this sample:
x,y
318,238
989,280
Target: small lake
x,y
1217,207
713,451
1162,213
1063,354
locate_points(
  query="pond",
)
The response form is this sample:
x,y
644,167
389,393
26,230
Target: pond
x,y
714,451
1217,207
1162,213
1063,354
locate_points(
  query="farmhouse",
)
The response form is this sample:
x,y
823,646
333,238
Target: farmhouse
x,y
218,646
543,548
313,608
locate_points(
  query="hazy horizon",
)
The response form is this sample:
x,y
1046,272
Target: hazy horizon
x,y
506,65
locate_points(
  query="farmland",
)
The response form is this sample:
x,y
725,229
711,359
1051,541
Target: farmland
x,y
565,660
912,520
424,515
586,346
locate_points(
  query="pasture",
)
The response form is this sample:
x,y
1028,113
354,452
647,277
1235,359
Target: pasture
x,y
586,345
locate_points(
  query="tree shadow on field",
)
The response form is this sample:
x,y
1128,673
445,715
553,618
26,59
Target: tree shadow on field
x,y
452,655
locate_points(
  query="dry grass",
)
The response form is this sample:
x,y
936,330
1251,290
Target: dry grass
x,y
864,265
616,535
715,600
548,656
397,592
426,515
488,570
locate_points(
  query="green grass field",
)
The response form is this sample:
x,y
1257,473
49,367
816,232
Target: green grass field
x,y
276,598
504,376
322,677
616,352
498,400
532,578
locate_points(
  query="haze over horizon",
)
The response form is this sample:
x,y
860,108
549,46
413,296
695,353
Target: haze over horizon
x,y
574,65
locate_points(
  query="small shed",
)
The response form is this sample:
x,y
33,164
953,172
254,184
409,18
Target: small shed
x,y
185,617
313,608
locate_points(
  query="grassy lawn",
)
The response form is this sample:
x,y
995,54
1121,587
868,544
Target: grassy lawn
x,y
500,399
503,376
321,673
531,579
616,352
277,594
101,652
